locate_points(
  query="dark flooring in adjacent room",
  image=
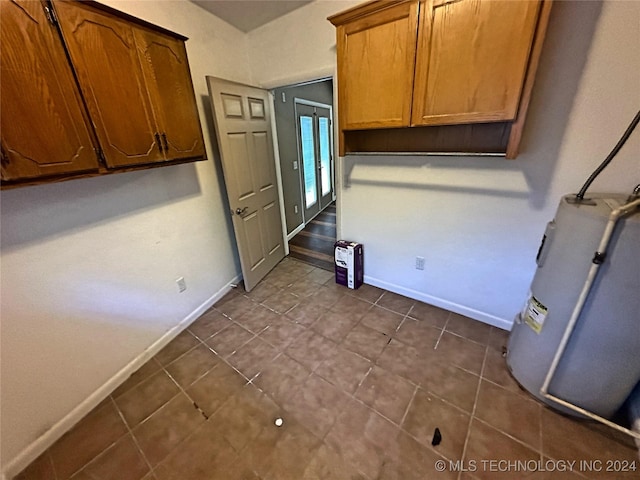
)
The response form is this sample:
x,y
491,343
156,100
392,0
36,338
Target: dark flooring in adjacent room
x,y
314,244
361,379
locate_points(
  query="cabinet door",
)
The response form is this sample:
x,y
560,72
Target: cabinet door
x,y
375,68
472,59
165,65
44,128
104,54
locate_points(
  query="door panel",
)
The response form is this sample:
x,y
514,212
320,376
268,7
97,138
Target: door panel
x,y
490,74
95,40
245,140
44,127
325,157
164,61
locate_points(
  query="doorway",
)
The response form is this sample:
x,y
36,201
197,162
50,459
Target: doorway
x,y
304,128
313,127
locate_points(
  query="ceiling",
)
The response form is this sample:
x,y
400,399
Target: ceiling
x,y
247,15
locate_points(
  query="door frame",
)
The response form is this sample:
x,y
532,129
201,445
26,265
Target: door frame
x,y
301,101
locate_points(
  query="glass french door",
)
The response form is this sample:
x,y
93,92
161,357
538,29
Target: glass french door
x,y
315,154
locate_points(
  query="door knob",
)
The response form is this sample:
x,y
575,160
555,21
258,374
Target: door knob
x,y
241,211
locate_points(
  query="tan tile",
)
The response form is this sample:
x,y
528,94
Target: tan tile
x,y
209,324
280,278
316,405
361,436
198,457
167,427
306,312
496,370
565,438
509,412
282,332
90,437
451,383
386,393
184,342
407,459
498,339
262,291
192,365
144,372
427,413
251,358
40,469
406,361
344,369
368,293
398,303
417,333
236,307
555,470
291,454
351,306
488,447
430,314
327,296
281,302
242,418
335,325
366,342
281,378
460,352
258,319
468,328
311,349
141,401
120,461
305,287
327,464
227,341
319,276
215,388
382,320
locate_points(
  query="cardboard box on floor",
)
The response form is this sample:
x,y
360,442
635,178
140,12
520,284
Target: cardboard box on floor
x,y
348,257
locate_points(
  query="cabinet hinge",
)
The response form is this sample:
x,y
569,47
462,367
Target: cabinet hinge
x,y
50,14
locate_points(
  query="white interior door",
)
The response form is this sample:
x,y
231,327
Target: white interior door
x,y
245,139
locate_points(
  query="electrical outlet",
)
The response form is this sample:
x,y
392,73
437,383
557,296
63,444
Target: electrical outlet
x,y
419,263
295,209
182,285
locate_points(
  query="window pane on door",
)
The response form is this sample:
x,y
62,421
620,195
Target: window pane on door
x,y
325,156
308,160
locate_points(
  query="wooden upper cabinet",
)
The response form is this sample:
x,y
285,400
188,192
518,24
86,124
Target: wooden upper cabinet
x,y
105,56
164,63
459,72
377,53
471,60
45,130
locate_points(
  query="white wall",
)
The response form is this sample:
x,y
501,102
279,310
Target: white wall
x,y
89,266
478,221
297,47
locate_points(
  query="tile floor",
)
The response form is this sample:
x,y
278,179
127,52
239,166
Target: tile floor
x,y
361,380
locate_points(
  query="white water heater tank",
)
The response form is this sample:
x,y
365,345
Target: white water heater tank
x,y
601,364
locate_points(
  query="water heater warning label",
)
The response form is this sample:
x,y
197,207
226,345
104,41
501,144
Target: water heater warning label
x,y
535,314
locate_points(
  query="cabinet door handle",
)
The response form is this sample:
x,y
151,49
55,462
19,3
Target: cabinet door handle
x,y
157,135
166,145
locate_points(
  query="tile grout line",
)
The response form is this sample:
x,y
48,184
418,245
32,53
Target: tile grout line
x,y
435,347
130,430
475,404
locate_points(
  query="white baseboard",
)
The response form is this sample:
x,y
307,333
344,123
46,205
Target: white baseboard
x,y
296,231
439,302
42,443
